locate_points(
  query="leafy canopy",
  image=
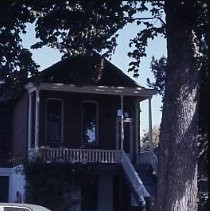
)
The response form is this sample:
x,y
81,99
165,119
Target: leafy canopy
x,y
76,27
16,63
73,27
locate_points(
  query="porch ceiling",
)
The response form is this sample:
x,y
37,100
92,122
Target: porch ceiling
x,y
106,90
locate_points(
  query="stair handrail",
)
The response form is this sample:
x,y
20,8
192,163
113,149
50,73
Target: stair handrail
x,y
133,177
149,157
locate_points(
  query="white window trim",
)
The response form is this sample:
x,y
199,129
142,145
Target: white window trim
x,y
62,119
97,114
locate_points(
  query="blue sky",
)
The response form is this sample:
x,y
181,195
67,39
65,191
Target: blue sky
x,y
157,48
46,56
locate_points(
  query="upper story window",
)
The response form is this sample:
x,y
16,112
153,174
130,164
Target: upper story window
x,y
54,119
89,122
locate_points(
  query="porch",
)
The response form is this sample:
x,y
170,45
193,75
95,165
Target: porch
x,y
95,156
106,118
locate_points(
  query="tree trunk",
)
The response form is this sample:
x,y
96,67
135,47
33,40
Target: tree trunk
x,y
177,171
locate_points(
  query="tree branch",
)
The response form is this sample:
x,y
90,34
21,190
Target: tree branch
x,y
149,18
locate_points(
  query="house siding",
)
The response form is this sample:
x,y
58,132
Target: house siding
x,y
72,118
19,124
5,133
105,192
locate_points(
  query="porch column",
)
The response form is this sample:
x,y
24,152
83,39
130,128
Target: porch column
x,y
122,117
137,122
37,119
29,119
150,124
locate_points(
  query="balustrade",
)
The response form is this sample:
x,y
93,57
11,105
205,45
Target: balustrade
x,y
78,155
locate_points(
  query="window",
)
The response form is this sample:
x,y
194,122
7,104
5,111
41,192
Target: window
x,y
54,120
4,190
4,130
89,122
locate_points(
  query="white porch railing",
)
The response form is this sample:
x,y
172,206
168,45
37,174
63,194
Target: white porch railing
x,y
77,155
134,178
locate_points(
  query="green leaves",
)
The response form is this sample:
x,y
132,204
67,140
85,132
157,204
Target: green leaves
x,y
158,68
16,62
149,28
75,27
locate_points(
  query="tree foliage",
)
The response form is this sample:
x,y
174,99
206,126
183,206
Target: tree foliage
x,y
151,27
145,145
72,27
158,68
56,185
79,27
16,63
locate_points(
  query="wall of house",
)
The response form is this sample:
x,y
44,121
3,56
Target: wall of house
x,y
72,125
16,182
105,192
19,127
122,195
5,132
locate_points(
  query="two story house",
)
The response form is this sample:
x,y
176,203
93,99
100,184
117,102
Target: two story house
x,y
82,110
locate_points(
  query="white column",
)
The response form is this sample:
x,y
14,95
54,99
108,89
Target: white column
x,y
37,119
150,124
122,118
29,120
137,119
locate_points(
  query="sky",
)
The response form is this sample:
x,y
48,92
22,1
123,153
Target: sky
x,y
156,48
46,57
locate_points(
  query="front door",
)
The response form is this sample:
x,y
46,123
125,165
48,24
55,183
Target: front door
x,y
4,188
128,135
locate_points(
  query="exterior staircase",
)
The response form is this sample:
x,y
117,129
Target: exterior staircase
x,y
139,191
149,179
149,157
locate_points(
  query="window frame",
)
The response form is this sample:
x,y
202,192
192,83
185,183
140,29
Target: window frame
x,y
97,114
62,119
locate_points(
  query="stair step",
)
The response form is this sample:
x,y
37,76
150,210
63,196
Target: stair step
x,y
150,185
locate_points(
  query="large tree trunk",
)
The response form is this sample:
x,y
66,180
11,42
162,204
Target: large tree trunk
x,y
177,173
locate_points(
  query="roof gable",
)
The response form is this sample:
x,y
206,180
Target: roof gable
x,y
86,70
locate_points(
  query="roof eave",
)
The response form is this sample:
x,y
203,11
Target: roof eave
x,y
105,90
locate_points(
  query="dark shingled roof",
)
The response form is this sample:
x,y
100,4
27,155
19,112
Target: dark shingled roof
x,y
86,70
82,70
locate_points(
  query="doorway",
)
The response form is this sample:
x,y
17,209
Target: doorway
x,y
128,135
4,190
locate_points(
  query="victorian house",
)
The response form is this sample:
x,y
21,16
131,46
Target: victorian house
x,y
82,110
